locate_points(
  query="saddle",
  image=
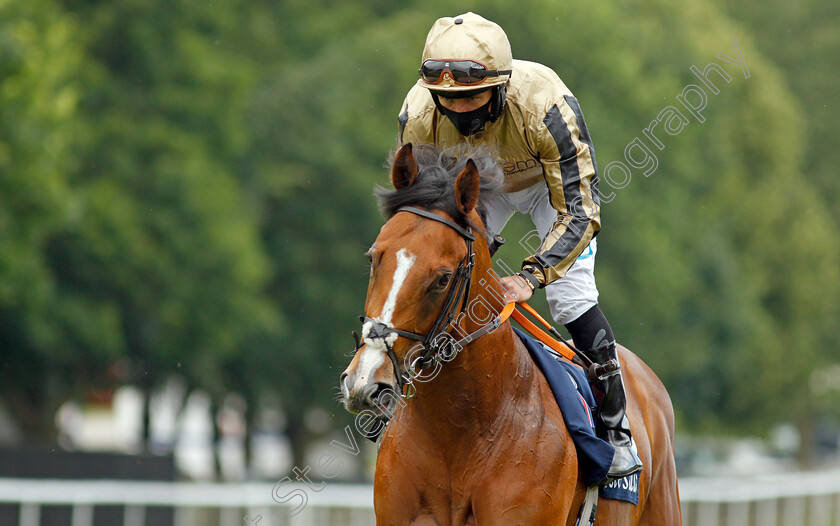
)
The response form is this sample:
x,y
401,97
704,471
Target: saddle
x,y
571,390
573,394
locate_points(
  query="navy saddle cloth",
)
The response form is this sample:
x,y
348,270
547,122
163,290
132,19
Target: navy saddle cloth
x,y
574,396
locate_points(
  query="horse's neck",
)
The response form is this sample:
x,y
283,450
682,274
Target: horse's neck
x,y
484,380
489,377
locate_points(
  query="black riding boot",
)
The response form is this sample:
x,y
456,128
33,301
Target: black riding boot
x,y
611,422
591,330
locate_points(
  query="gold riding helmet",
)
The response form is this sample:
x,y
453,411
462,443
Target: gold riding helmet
x,y
465,53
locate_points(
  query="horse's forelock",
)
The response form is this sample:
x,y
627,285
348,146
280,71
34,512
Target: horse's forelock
x,y
435,184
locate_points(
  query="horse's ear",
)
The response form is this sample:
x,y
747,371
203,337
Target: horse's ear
x,y
404,171
466,188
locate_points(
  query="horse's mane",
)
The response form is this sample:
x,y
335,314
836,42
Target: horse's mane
x,y
435,184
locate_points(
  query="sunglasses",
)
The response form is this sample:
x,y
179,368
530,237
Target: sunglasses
x,y
463,72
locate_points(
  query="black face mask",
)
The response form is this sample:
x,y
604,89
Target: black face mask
x,y
468,122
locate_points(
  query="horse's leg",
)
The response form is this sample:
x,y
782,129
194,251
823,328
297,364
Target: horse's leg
x,y
532,506
397,501
663,505
398,484
537,482
398,505
424,520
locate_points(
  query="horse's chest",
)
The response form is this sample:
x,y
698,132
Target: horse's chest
x,y
507,486
521,469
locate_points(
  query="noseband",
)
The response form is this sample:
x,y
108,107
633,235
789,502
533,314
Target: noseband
x,y
437,342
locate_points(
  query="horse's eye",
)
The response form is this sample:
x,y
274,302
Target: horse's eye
x,y
444,280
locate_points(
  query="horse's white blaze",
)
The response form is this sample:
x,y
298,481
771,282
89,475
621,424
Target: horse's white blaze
x,y
405,260
372,357
376,349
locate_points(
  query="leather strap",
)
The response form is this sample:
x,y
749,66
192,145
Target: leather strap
x,y
553,344
440,219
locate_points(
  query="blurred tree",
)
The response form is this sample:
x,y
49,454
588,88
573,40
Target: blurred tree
x,y
172,236
152,252
38,105
803,41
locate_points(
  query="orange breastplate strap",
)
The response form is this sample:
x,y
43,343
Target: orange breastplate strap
x,y
512,310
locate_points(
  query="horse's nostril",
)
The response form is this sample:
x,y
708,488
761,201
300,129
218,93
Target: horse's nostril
x,y
381,398
368,392
381,390
378,388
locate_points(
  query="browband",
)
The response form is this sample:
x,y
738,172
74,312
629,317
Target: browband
x,y
425,213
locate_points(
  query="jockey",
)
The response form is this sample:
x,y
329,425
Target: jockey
x,y
472,91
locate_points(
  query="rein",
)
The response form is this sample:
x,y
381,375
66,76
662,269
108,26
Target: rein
x,y
437,341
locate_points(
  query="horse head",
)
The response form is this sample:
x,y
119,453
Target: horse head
x,y
421,267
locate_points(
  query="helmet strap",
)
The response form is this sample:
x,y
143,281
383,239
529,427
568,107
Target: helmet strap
x,y
497,102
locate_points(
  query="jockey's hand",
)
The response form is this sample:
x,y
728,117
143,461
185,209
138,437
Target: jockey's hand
x,y
517,288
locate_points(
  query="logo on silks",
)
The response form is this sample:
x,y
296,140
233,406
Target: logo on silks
x,y
626,489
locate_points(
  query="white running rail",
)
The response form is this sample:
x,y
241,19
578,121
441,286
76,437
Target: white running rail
x,y
798,499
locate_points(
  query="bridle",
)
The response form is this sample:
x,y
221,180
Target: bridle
x,y
437,342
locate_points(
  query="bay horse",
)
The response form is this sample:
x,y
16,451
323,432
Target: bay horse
x,y
482,440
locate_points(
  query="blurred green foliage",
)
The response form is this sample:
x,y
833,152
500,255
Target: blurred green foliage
x,y
186,187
